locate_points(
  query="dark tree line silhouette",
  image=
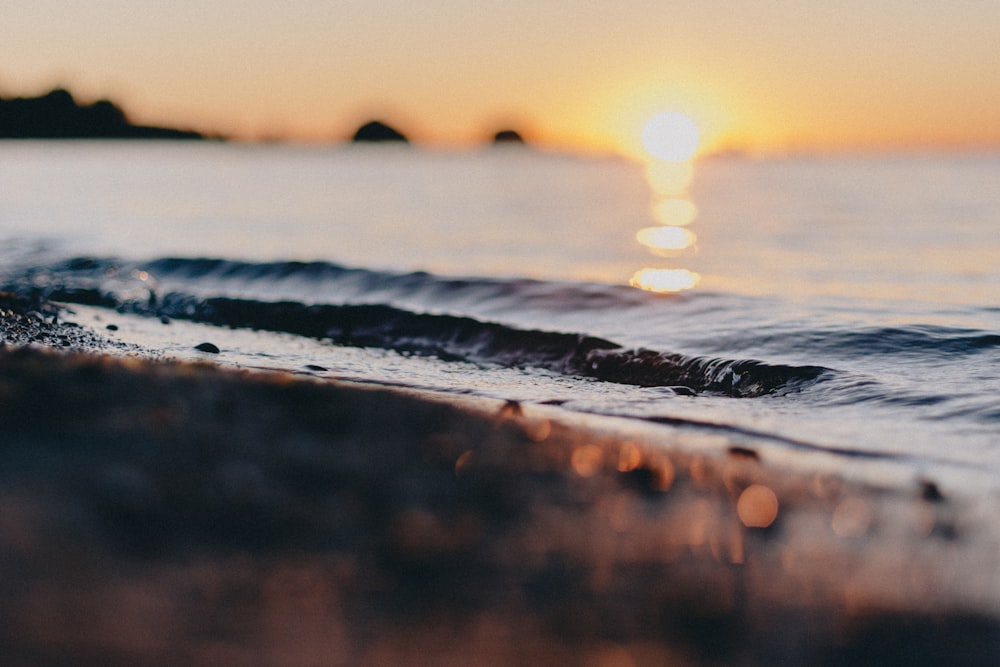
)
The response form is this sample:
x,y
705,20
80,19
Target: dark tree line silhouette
x,y
57,115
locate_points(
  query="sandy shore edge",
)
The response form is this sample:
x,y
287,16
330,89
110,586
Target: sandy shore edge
x,y
160,512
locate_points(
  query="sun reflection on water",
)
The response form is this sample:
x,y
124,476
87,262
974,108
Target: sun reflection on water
x,y
670,140
665,280
669,179
675,211
665,238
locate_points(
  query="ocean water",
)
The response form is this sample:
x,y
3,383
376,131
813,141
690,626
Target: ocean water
x,y
842,312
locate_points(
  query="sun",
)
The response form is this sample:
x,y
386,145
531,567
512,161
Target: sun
x,y
670,136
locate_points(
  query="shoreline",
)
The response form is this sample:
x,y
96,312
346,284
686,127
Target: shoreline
x,y
160,512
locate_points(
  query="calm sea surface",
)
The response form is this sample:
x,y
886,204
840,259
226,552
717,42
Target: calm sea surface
x,y
844,311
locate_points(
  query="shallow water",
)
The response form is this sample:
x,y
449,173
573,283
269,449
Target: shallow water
x,y
849,306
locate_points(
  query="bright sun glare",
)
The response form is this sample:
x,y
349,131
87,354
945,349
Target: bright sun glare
x,y
670,136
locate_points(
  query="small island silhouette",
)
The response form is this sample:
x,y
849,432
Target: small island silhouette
x,y
376,131
57,115
509,137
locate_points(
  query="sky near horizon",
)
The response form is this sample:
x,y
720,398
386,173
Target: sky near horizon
x,y
770,76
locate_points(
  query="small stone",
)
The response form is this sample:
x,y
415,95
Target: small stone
x,y
112,327
207,347
743,453
930,492
314,367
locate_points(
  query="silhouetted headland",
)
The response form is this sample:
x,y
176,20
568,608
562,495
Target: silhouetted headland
x,y
57,115
508,137
377,131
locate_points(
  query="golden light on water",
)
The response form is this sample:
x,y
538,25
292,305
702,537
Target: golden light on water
x,y
669,179
664,280
670,140
675,211
665,238
670,136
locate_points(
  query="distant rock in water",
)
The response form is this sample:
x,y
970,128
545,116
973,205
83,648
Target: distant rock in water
x,y
56,115
377,131
508,137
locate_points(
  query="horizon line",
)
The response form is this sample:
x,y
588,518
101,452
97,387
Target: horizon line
x,y
531,138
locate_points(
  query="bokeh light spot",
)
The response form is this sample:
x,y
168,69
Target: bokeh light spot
x,y
587,460
629,457
757,506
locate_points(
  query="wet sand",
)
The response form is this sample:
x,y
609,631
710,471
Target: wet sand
x,y
161,513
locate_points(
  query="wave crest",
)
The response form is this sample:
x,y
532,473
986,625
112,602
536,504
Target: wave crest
x,y
380,325
450,337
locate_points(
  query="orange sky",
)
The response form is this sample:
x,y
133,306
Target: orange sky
x,y
773,76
